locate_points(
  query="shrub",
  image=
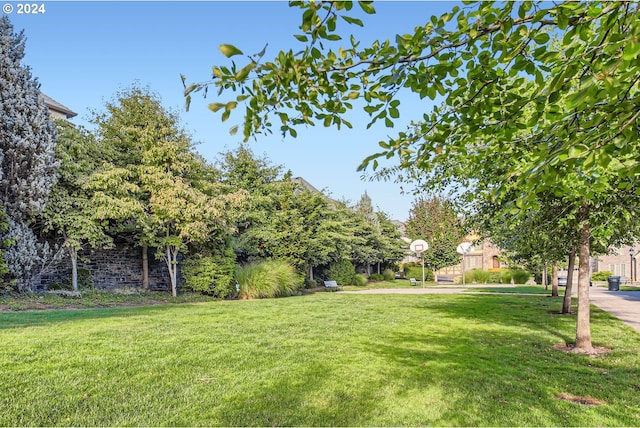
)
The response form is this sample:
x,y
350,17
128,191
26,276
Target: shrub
x,y
468,277
407,267
520,276
341,271
388,275
376,277
506,276
360,280
480,276
210,274
310,283
601,276
416,272
494,277
270,278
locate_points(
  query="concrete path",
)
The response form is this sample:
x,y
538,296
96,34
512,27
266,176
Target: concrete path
x,y
624,305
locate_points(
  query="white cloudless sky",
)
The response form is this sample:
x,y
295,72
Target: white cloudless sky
x,y
83,52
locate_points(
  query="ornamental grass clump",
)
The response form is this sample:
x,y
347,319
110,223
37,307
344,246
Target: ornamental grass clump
x,y
521,276
360,280
389,275
265,279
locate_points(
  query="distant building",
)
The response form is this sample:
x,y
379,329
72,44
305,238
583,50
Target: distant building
x,y
57,110
485,256
621,261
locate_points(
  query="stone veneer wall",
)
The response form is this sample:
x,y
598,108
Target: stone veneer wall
x,y
107,269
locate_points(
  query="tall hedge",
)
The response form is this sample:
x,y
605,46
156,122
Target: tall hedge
x,y
342,272
210,274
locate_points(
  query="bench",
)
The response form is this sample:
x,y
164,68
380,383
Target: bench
x,y
332,286
413,281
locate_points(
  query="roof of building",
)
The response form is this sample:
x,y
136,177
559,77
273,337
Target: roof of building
x,y
57,107
305,184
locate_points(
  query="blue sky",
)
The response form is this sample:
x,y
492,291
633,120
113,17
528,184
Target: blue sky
x,y
83,52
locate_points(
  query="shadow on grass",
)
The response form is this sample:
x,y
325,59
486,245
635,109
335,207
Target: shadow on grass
x,y
307,397
486,361
500,368
9,320
344,360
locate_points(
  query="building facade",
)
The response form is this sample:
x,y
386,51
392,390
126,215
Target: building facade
x,y
621,262
57,110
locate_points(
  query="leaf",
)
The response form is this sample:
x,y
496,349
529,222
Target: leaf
x,y
579,97
563,20
353,21
216,106
541,38
229,50
189,89
244,72
631,52
367,7
217,72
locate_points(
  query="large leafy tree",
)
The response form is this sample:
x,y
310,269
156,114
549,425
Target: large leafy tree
x,y
538,97
154,184
434,219
377,240
282,219
27,162
69,214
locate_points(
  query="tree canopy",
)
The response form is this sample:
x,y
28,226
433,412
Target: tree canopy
x,y
435,220
27,161
534,98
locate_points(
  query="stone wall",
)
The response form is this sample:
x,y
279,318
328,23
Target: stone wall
x,y
119,267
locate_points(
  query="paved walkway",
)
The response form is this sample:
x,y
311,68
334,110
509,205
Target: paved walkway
x,y
624,305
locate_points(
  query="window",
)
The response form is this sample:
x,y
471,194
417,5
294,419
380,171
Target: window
x,y
619,269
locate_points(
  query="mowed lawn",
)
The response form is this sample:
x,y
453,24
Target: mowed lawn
x,y
329,359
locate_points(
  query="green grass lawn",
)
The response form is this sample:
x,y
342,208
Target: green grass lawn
x,y
396,283
94,299
526,289
328,359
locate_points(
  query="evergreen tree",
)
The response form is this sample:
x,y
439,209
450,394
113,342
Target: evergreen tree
x,y
27,162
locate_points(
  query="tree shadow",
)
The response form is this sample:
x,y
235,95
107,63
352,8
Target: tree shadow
x,y
22,319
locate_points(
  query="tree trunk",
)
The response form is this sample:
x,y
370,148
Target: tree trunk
x,y
566,302
554,279
171,257
145,267
74,269
545,279
583,327
310,271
